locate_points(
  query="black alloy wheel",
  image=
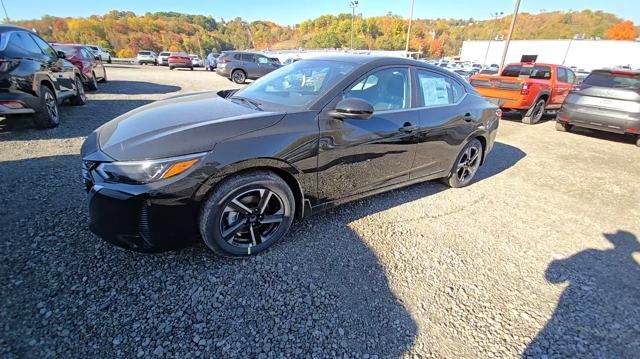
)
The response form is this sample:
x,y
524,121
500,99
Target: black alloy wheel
x,y
466,166
48,117
247,214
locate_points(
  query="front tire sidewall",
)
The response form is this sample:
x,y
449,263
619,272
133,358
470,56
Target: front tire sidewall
x,y
213,207
238,77
80,98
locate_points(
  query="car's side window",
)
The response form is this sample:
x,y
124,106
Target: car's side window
x,y
46,48
22,43
437,89
571,77
248,58
562,74
263,60
385,90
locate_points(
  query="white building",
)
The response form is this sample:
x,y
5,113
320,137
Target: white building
x,y
584,54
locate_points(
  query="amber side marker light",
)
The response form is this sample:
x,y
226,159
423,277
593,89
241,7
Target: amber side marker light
x,y
179,167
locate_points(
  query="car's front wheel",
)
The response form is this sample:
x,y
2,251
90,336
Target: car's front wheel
x,y
638,141
466,165
245,214
93,82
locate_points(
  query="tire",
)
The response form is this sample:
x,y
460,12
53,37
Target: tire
x,y
49,116
563,127
535,113
104,79
80,98
238,76
230,230
191,68
93,83
171,67
109,60
462,175
638,141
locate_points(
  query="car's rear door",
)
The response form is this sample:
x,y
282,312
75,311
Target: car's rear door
x,y
563,85
446,120
250,64
62,70
357,156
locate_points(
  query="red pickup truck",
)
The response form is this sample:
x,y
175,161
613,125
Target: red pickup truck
x,y
531,88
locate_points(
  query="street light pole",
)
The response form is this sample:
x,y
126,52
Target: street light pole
x,y
406,49
495,16
5,12
513,26
354,5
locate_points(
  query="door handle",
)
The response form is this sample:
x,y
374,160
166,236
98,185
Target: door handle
x,y
408,128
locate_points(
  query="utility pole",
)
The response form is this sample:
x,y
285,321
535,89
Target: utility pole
x,y
6,16
513,26
354,5
406,49
494,16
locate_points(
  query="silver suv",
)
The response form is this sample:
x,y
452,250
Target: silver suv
x,y
147,57
239,66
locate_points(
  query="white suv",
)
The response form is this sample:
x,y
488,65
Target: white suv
x,y
147,57
98,51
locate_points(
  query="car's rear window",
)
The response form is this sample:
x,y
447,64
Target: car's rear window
x,y
144,53
613,79
528,71
69,51
165,53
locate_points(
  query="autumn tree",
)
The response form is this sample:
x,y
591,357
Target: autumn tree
x,y
622,31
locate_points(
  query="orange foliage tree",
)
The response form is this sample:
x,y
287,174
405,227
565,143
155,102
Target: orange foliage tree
x,y
622,31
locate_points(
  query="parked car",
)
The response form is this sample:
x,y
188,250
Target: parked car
x,y
34,78
195,60
98,51
236,170
163,58
464,74
211,61
291,60
180,60
275,61
607,100
91,68
240,66
530,88
488,72
147,57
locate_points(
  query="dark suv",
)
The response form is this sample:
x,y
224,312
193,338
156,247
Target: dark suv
x,y
35,78
240,66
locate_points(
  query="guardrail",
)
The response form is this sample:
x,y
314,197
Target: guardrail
x,y
126,61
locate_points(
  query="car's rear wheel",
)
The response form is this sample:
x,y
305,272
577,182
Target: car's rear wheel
x,y
191,68
563,127
535,113
246,214
93,83
171,67
80,98
48,117
466,165
238,76
109,60
638,141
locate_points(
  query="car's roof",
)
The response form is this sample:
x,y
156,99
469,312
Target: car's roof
x,y
7,27
69,45
619,70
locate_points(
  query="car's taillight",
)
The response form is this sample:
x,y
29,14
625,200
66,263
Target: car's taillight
x,y
525,89
12,104
222,61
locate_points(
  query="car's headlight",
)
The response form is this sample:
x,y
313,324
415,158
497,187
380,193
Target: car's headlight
x,y
140,172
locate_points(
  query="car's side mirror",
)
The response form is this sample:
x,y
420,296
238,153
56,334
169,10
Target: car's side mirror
x,y
354,108
61,54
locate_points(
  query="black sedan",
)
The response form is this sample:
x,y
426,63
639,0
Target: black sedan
x,y
236,168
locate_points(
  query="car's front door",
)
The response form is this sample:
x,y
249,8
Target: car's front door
x,y
446,122
355,155
61,69
251,65
265,65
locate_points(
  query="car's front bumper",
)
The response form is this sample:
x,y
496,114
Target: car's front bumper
x,y
599,119
146,218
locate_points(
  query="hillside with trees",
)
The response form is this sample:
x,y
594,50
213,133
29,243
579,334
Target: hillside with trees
x,y
124,32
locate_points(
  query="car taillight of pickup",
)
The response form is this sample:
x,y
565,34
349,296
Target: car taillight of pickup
x,y
530,88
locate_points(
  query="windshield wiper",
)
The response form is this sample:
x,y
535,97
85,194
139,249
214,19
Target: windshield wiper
x,y
247,100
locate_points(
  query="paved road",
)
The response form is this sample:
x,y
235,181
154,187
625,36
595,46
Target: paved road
x,y
540,257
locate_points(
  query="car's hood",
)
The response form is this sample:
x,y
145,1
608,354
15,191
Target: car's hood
x,y
177,126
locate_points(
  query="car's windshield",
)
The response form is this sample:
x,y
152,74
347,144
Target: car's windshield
x,y
164,54
614,79
298,84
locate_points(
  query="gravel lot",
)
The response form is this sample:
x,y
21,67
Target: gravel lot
x,y
540,257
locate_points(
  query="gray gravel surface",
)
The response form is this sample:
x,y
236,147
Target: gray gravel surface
x,y
540,257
